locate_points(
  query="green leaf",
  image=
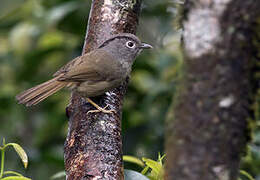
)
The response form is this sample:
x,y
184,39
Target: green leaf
x,y
59,12
155,166
22,154
133,175
58,175
160,158
144,171
8,6
13,172
242,172
134,160
153,177
15,178
3,141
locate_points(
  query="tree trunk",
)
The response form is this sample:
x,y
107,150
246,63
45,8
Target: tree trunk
x,y
207,130
93,148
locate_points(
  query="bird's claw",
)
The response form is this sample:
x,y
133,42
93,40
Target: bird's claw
x,y
99,109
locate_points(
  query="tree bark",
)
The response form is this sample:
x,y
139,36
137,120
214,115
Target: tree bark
x,y
207,130
93,148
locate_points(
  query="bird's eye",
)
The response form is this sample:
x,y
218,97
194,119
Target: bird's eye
x,y
130,44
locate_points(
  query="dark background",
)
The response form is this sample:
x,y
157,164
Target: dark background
x,y
39,36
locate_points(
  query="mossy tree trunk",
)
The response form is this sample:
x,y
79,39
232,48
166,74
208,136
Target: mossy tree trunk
x,y
207,126
93,148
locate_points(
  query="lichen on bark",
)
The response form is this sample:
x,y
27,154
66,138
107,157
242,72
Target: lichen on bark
x,y
93,148
207,131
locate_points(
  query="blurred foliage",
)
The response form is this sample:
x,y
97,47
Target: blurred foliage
x,y
39,36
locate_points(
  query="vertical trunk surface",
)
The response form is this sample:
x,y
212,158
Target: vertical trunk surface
x,y
93,148
207,131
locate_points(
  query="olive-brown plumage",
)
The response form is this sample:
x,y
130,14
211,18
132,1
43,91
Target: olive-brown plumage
x,y
91,74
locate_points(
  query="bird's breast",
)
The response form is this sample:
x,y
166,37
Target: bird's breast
x,y
126,68
92,89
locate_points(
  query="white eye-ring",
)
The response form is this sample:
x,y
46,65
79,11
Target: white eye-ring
x,y
130,44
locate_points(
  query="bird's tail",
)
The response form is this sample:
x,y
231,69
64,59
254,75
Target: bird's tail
x,y
38,93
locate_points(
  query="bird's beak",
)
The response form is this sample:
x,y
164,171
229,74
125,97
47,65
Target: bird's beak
x,y
146,46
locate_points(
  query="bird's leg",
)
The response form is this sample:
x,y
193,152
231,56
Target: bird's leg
x,y
99,109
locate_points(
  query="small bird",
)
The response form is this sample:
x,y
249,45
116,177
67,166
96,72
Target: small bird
x,y
91,74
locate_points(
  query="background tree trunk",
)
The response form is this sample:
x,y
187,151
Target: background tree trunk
x,y
93,148
207,132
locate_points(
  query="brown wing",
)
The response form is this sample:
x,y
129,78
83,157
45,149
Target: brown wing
x,y
68,66
97,65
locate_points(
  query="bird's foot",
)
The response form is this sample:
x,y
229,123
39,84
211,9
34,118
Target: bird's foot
x,y
100,109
